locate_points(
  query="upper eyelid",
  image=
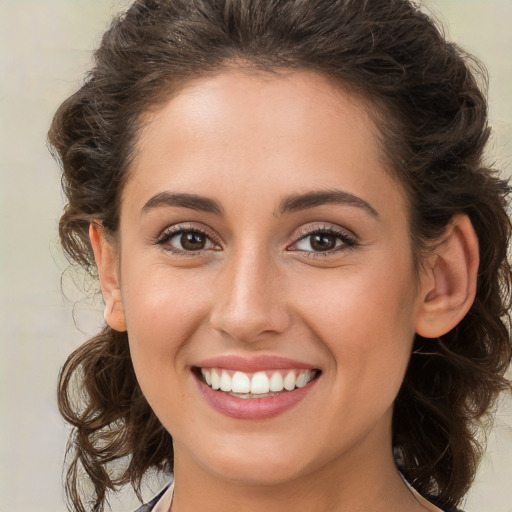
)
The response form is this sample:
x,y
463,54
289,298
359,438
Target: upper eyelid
x,y
182,227
325,228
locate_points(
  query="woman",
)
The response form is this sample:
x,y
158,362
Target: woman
x,y
301,253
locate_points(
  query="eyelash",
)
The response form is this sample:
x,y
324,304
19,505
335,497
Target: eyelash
x,y
164,239
348,241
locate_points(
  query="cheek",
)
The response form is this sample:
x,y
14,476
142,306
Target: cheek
x,y
359,301
162,313
365,319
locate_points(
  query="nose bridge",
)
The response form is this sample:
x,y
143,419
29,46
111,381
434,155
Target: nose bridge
x,y
250,303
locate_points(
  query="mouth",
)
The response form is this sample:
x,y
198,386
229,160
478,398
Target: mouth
x,y
256,388
255,385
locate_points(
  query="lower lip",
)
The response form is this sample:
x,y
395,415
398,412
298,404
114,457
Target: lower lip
x,y
253,408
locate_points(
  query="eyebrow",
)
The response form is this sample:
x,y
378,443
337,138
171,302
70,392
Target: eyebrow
x,y
190,201
319,198
289,204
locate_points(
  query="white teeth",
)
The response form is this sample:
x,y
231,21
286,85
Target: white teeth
x,y
225,381
276,382
302,380
240,383
259,384
215,380
289,381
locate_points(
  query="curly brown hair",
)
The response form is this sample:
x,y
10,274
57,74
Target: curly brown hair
x,y
432,119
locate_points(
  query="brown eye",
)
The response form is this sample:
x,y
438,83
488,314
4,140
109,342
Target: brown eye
x,y
193,241
186,241
323,242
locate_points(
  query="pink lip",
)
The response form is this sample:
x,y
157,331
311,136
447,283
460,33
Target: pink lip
x,y
253,408
253,364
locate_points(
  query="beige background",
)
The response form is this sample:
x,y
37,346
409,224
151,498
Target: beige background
x,y
45,46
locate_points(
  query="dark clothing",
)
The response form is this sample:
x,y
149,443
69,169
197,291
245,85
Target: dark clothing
x,y
147,507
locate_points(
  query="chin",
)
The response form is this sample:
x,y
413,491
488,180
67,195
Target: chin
x,y
258,472
259,463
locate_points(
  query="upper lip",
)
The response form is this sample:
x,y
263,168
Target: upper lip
x,y
254,364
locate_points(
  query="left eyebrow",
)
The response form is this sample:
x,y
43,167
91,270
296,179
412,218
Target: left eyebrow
x,y
321,197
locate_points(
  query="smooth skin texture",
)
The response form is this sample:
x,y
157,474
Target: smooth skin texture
x,y
246,268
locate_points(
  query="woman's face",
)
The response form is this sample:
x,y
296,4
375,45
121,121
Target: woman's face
x,y
263,244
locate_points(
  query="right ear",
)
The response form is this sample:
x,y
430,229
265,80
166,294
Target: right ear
x,y
107,262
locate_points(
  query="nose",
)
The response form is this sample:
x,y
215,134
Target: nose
x,y
250,303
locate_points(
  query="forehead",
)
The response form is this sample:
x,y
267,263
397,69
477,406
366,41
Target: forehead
x,y
289,101
295,130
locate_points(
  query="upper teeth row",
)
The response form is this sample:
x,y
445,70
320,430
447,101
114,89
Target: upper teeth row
x,y
258,383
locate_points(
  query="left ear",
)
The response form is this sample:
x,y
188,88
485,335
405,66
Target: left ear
x,y
448,283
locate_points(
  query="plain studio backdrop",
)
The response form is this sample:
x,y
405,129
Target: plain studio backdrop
x,y
45,48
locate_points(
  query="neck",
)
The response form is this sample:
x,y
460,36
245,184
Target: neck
x,y
364,479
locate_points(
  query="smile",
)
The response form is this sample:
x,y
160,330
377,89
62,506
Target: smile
x,y
259,384
259,388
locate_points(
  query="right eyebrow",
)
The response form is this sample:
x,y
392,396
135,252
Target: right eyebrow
x,y
190,201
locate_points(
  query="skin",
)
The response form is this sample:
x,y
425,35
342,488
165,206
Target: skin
x,y
248,142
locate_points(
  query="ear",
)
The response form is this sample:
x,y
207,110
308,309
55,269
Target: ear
x,y
106,258
448,284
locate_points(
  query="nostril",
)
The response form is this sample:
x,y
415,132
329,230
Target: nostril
x,y
248,325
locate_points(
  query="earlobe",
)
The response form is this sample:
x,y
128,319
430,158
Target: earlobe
x,y
448,284
105,255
